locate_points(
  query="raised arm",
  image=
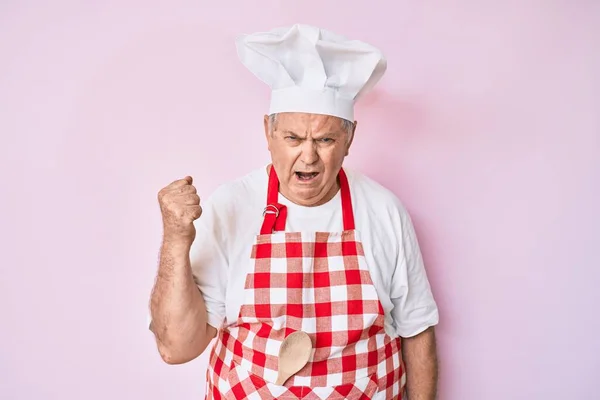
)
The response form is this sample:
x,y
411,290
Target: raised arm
x,y
179,317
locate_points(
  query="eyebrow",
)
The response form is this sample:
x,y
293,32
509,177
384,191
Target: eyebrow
x,y
327,134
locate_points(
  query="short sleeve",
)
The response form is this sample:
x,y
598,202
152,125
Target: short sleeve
x,y
209,261
415,308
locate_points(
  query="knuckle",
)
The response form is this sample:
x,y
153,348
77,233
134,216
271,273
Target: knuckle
x,y
190,199
196,211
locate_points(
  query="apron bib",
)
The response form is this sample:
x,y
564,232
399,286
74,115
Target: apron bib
x,y
318,283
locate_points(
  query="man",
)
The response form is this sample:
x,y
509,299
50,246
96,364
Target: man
x,y
299,245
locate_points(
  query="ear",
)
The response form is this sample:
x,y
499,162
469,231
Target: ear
x,y
267,135
351,137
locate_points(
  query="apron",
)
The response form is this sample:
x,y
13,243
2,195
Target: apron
x,y
319,283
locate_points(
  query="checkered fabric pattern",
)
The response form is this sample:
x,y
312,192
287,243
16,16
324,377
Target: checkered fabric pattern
x,y
318,283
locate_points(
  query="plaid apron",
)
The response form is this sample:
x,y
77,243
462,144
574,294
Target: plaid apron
x,y
319,283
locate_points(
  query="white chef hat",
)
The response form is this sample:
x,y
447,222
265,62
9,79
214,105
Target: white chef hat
x,y
310,69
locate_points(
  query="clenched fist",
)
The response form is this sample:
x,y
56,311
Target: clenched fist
x,y
180,207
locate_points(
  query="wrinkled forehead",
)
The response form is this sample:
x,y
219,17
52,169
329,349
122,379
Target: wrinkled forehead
x,y
308,123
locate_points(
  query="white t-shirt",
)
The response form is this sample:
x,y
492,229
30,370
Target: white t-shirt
x,y
232,217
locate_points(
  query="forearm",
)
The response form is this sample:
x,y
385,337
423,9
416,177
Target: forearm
x,y
420,358
179,319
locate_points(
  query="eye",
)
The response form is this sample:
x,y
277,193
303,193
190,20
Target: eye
x,y
326,140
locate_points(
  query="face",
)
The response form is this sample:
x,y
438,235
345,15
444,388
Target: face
x,y
307,151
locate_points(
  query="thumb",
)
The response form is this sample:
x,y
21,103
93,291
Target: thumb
x,y
189,179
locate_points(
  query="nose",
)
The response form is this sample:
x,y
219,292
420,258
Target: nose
x,y
309,152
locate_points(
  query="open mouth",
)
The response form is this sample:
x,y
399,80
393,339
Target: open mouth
x,y
306,176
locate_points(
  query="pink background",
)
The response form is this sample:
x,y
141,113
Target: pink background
x,y
486,125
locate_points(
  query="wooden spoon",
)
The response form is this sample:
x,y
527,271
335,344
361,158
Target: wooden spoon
x,y
294,353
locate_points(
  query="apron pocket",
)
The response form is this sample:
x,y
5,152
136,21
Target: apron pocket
x,y
243,384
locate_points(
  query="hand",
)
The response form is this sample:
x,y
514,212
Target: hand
x,y
180,207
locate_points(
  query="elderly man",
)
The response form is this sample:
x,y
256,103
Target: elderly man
x,y
298,248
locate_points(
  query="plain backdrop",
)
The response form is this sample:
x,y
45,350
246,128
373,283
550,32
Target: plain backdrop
x,y
486,125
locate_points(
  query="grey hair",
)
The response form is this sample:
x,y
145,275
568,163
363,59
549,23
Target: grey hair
x,y
347,126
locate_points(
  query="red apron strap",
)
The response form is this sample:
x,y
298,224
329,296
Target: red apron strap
x,y
275,214
347,212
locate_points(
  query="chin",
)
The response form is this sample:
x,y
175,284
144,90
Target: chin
x,y
308,196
